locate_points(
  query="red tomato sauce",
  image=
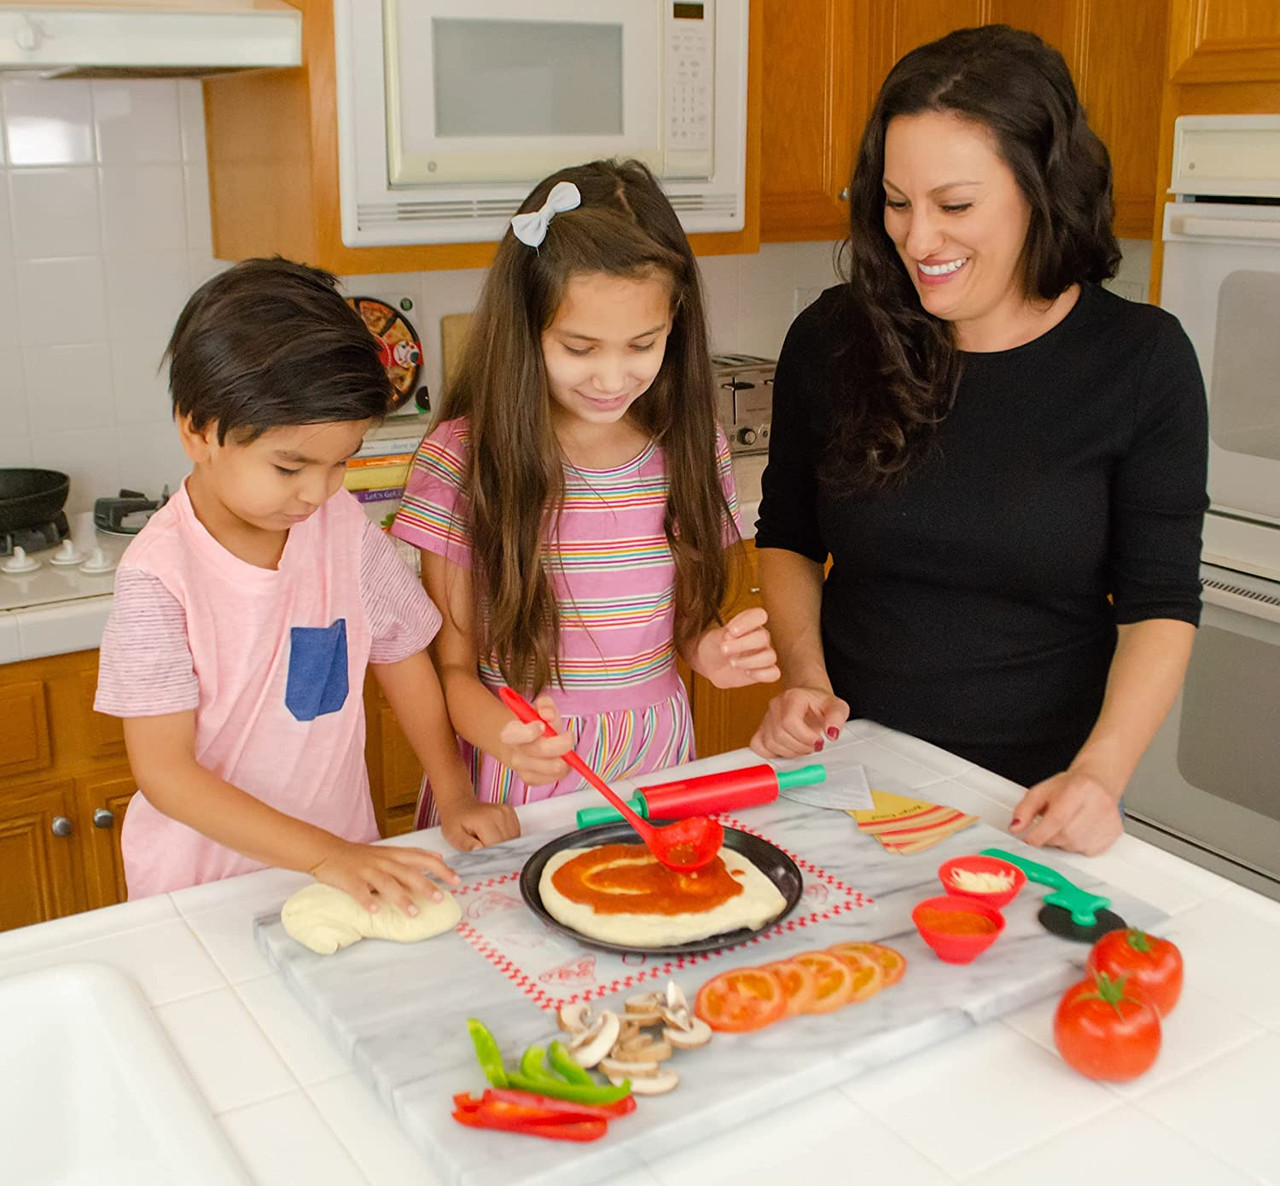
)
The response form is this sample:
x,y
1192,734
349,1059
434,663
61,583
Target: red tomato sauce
x,y
955,922
627,879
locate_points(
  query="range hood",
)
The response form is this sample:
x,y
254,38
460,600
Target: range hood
x,y
148,38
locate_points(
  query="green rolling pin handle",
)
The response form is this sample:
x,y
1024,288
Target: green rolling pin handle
x,y
806,776
588,817
1081,904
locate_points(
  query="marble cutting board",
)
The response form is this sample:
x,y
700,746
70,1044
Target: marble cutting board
x,y
398,1012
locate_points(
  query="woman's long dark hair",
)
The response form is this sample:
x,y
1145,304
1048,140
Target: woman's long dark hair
x,y
515,481
908,365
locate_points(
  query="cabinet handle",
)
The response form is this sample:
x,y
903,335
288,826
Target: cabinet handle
x,y
754,589
61,825
103,818
844,194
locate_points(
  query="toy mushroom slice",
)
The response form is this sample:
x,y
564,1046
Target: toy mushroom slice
x,y
658,1084
616,1069
575,1017
590,1045
642,1047
645,1008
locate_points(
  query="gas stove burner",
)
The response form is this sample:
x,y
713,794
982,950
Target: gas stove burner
x,y
35,539
127,513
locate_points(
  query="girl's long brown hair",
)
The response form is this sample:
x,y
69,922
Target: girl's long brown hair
x,y
904,360
515,481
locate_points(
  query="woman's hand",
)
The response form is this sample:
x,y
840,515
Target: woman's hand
x,y
527,749
1075,812
799,722
477,825
373,873
737,654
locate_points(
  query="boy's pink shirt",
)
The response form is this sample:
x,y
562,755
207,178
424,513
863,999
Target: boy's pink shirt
x,y
239,622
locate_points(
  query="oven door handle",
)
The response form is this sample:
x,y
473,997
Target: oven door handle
x,y
1225,228
1240,601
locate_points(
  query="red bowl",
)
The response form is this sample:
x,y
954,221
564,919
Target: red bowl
x,y
976,864
951,948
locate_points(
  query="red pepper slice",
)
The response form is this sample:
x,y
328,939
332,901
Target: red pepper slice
x,y
576,1130
510,1095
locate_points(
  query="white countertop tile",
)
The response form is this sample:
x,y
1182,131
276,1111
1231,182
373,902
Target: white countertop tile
x,y
10,644
285,1142
63,628
229,1057
1123,1145
1226,1108
300,1043
979,1098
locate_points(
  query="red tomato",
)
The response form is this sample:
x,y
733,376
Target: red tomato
x,y
798,982
835,982
1107,1030
1150,964
893,965
741,1000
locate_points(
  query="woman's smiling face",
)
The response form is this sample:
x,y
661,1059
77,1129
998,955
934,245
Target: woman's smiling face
x,y
957,217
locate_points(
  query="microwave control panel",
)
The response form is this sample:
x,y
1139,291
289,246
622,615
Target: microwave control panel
x,y
689,79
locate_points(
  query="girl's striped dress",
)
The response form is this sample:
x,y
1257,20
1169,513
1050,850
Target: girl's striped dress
x,y
613,572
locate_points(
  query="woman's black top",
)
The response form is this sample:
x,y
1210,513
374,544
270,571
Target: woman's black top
x,y
976,604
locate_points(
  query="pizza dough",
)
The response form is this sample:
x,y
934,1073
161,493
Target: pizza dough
x,y
325,919
759,902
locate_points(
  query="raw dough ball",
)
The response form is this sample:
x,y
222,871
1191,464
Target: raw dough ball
x,y
325,919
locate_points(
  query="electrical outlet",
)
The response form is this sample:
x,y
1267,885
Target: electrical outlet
x,y
805,297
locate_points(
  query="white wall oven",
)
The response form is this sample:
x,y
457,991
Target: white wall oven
x,y
1210,786
449,111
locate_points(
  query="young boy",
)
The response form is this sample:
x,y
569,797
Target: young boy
x,y
247,609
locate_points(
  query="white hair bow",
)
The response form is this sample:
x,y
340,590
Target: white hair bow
x,y
531,228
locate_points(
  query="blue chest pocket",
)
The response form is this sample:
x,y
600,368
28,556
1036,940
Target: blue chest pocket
x,y
317,681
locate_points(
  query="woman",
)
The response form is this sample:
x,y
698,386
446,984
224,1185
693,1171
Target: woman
x,y
1004,461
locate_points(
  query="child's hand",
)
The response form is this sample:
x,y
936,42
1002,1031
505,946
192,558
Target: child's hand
x,y
478,825
372,873
738,653
533,755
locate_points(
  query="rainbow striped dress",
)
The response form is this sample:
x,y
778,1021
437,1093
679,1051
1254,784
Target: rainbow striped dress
x,y
614,577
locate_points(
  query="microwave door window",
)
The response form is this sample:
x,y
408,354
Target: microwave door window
x,y
527,78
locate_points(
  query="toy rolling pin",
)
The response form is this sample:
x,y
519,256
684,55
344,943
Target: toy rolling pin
x,y
708,794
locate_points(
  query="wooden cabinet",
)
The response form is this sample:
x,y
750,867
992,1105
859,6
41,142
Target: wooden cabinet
x,y
101,800
1224,41
725,719
273,166
40,852
394,770
827,59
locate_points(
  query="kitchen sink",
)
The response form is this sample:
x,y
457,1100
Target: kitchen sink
x,y
92,1091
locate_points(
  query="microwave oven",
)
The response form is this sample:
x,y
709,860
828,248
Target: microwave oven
x,y
450,111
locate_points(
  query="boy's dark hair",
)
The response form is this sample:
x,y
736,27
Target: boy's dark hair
x,y
269,343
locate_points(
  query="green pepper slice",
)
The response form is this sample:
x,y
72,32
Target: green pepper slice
x,y
533,1066
561,1060
488,1054
578,1093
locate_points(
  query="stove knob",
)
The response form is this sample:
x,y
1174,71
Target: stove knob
x,y
20,562
746,436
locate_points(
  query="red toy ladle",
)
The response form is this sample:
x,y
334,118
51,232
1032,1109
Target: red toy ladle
x,y
684,847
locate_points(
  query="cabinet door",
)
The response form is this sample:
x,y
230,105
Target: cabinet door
x,y
1225,41
814,106
394,770
24,728
899,26
101,801
40,854
725,719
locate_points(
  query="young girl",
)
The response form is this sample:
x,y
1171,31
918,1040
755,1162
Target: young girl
x,y
575,502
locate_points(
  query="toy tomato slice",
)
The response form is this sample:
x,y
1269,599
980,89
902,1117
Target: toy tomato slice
x,y
834,978
868,975
798,982
1106,1029
892,964
1152,965
741,1000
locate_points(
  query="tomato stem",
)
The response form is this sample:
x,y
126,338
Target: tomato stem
x,y
1110,991
1139,941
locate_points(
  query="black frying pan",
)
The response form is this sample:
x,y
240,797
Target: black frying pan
x,y
30,497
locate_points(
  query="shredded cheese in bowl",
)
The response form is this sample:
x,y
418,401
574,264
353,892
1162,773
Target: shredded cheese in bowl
x,y
973,882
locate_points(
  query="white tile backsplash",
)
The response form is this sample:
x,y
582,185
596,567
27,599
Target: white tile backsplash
x,y
104,232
